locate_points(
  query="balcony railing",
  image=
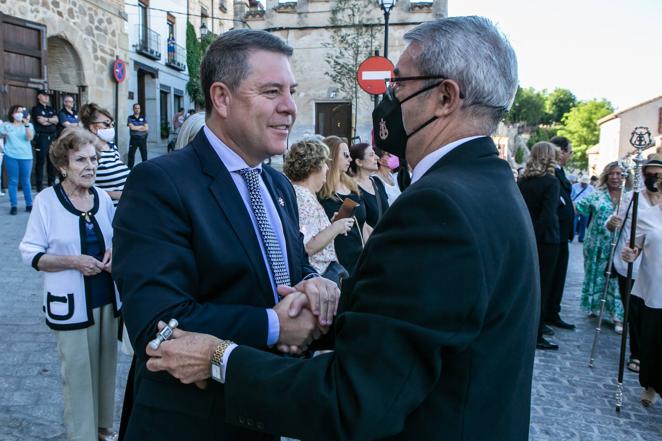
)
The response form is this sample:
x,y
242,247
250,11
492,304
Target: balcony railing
x,y
176,56
148,42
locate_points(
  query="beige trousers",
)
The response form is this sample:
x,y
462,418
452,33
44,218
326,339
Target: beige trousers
x,y
88,362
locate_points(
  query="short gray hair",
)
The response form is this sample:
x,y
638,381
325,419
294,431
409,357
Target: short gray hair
x,y
473,52
226,59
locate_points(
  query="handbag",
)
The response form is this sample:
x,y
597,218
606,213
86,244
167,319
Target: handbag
x,y
335,272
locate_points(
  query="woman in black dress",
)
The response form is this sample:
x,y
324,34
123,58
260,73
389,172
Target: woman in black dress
x,y
338,187
363,168
541,191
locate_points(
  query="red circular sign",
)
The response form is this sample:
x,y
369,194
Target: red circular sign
x,y
119,70
372,73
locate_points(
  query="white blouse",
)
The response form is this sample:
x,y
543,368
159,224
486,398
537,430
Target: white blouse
x,y
312,220
648,284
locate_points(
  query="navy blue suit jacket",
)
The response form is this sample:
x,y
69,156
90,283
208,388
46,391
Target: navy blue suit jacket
x,y
184,247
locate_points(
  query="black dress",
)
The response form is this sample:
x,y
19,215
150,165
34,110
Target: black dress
x,y
348,248
373,213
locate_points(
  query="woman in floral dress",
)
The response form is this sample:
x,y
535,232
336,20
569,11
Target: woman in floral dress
x,y
600,206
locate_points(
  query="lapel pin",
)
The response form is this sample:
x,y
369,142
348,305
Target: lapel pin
x,y
281,202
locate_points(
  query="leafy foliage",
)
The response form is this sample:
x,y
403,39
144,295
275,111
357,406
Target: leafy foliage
x,y
351,42
580,126
558,103
195,50
528,108
542,133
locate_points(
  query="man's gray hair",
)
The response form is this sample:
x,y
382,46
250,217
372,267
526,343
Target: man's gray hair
x,y
226,59
475,54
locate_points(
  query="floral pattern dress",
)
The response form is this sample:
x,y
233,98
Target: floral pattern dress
x,y
597,246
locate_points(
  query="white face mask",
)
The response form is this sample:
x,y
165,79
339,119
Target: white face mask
x,y
17,116
107,135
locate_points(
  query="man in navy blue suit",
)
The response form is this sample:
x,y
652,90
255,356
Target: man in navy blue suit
x,y
206,235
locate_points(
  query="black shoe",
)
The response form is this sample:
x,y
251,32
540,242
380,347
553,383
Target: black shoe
x,y
13,211
559,323
28,208
546,330
544,344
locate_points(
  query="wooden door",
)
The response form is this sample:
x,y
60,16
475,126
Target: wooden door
x,y
334,119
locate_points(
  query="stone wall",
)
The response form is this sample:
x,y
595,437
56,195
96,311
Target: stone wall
x,y
96,32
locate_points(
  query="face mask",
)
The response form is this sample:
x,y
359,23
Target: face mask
x,y
107,135
650,181
388,126
17,116
393,162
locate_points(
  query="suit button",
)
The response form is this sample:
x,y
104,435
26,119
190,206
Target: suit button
x,y
250,422
242,420
260,426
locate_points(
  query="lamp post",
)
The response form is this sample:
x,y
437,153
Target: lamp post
x,y
203,30
386,6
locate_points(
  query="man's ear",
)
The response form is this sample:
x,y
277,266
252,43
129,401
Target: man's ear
x,y
220,98
448,98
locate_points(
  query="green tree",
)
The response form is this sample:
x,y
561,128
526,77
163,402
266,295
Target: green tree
x,y
195,49
351,43
558,103
528,107
580,126
541,134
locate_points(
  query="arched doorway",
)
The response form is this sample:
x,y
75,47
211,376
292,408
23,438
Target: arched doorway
x,y
65,72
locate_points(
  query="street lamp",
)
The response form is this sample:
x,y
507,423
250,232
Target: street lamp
x,y
386,6
203,30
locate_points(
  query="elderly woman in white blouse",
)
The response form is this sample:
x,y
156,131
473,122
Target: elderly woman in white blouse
x,y
648,286
306,166
69,237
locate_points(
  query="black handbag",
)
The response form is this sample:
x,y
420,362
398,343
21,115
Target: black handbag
x,y
335,272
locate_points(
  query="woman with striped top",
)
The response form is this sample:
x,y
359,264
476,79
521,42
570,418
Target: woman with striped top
x,y
111,171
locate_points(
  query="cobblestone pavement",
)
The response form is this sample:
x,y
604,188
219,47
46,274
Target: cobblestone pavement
x,y
569,402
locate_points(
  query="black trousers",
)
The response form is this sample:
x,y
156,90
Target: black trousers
x,y
558,284
650,372
548,260
634,317
42,145
137,142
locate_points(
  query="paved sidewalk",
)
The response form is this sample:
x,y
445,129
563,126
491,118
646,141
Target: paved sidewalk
x,y
569,402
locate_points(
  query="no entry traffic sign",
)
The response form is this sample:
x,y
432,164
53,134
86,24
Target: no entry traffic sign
x,y
119,70
372,73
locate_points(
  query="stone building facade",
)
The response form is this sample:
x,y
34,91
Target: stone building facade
x,y
305,26
616,129
82,39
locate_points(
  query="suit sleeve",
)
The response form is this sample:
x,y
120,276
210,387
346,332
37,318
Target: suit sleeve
x,y
549,217
155,267
389,340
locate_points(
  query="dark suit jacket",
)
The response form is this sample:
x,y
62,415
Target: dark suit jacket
x,y
566,211
437,335
541,195
185,248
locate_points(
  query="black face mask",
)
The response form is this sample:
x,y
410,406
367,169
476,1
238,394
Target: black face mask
x,y
650,181
388,126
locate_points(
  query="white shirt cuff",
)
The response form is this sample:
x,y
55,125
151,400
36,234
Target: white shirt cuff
x,y
226,357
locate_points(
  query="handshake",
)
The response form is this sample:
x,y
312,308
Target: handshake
x,y
305,313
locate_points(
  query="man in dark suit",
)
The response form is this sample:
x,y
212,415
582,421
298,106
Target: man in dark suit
x,y
566,214
205,235
437,332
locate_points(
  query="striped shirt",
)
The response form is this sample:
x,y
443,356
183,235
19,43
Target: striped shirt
x,y
111,172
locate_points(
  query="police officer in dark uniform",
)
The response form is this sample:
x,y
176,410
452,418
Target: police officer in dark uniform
x,y
138,129
67,116
45,125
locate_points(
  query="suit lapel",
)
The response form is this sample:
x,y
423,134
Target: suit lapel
x,y
279,202
228,198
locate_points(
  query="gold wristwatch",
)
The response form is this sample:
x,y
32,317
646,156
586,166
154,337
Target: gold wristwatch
x,y
217,368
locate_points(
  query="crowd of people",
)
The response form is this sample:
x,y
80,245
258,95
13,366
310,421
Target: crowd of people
x,y
251,261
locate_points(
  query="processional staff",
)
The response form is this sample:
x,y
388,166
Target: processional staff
x,y
640,140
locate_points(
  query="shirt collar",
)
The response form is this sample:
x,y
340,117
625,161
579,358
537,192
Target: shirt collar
x,y
232,161
431,158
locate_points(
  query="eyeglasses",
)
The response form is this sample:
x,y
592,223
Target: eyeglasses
x,y
651,175
392,84
108,123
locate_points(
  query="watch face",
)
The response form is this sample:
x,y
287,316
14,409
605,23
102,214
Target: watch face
x,y
216,372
